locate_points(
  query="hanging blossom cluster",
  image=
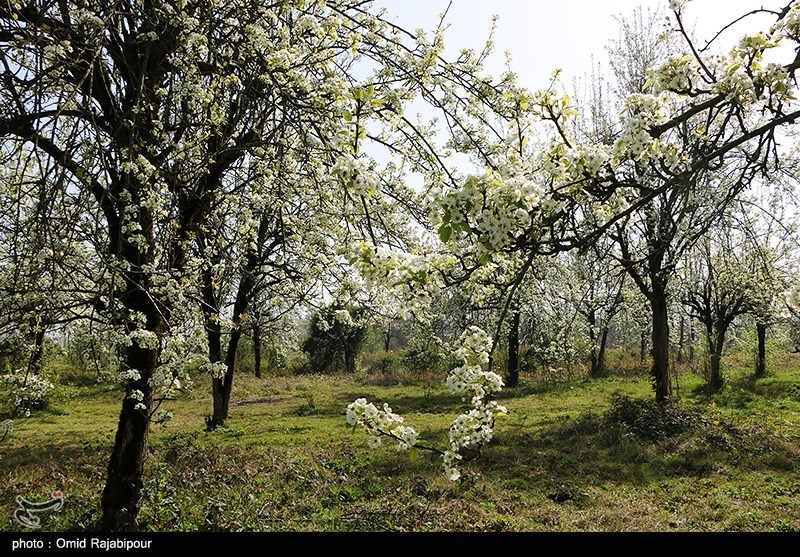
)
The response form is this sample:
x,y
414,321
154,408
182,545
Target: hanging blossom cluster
x,y
410,277
468,432
380,423
677,74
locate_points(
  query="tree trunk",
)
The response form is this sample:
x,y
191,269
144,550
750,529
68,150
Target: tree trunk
x,y
512,379
643,346
125,474
761,358
221,388
660,370
257,349
593,371
122,492
387,340
716,343
35,361
349,361
601,354
681,337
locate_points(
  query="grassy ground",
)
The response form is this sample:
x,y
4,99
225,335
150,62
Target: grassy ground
x,y
572,455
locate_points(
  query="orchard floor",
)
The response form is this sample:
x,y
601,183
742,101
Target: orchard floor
x,y
559,461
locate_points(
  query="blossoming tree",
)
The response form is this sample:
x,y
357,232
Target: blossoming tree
x,y
153,112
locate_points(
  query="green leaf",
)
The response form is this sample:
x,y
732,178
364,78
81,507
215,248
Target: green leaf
x,y
445,232
413,454
347,115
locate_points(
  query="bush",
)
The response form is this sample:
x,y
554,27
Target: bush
x,y
650,420
26,392
335,339
388,363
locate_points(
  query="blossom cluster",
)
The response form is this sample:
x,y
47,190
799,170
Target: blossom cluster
x,y
380,423
677,74
410,277
469,431
358,177
493,207
26,391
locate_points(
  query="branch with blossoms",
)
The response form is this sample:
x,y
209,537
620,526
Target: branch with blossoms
x,y
468,432
6,427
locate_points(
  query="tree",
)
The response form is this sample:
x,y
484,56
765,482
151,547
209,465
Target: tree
x,y
335,338
723,286
595,287
698,134
151,113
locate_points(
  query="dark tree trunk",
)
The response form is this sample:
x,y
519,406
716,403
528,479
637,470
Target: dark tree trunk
x,y
660,370
761,357
681,338
122,491
349,361
214,338
512,379
221,388
600,365
387,339
643,346
125,474
598,351
716,343
257,349
35,361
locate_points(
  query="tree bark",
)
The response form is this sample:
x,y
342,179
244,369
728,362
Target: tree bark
x,y
681,338
601,354
122,492
349,360
761,358
512,379
660,370
35,361
716,343
643,346
221,388
257,349
124,481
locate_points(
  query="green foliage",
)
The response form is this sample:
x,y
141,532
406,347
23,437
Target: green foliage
x,y
335,339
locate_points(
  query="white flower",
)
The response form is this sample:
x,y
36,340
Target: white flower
x,y
469,430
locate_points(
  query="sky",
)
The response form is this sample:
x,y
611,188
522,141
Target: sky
x,y
543,35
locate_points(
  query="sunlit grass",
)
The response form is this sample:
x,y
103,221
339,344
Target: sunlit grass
x,y
286,461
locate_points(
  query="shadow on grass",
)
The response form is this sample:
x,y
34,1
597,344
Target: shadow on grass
x,y
436,403
595,449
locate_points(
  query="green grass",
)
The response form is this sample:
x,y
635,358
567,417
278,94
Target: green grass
x,y
559,461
